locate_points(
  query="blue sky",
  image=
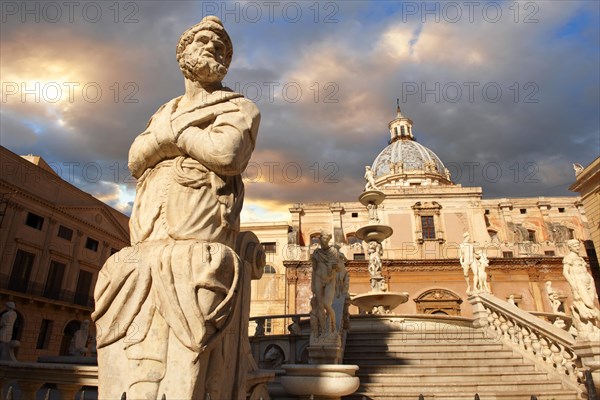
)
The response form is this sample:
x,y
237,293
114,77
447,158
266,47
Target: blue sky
x,y
501,86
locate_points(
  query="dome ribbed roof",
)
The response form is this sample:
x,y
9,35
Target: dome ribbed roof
x,y
412,155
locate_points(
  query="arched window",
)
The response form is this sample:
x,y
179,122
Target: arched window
x,y
68,333
351,239
269,269
493,235
315,239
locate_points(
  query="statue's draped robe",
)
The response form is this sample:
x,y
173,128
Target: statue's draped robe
x,y
169,305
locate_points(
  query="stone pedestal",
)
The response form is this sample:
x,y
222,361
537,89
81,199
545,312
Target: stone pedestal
x,y
325,354
589,353
320,382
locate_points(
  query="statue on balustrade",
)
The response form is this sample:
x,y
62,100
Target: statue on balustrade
x,y
467,258
481,263
586,315
170,309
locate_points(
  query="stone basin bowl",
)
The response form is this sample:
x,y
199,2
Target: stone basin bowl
x,y
390,300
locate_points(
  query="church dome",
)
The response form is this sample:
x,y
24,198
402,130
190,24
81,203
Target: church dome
x,y
404,162
414,157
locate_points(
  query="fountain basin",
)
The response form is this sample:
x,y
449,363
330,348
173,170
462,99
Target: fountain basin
x,y
327,381
371,197
389,300
374,232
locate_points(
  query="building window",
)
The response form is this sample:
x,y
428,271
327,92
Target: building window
x,y
402,131
561,209
487,212
19,277
493,235
359,256
54,281
549,253
354,215
91,244
270,247
65,233
44,336
268,325
34,221
427,227
570,234
351,238
523,211
269,269
84,282
531,236
507,254
315,239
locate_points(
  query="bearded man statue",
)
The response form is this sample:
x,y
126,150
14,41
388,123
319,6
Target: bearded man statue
x,y
169,307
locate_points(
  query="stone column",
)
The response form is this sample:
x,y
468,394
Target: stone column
x,y
297,212
337,229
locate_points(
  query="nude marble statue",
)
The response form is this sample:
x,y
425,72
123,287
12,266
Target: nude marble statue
x,y
325,267
467,259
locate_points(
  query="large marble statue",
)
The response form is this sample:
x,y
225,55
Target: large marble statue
x,y
78,345
553,297
370,177
7,322
325,267
168,308
467,258
586,315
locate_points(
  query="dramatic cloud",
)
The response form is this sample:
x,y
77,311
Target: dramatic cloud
x,y
506,93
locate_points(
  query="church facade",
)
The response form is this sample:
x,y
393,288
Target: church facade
x,y
524,239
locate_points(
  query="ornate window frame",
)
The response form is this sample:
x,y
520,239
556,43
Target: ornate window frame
x,y
428,209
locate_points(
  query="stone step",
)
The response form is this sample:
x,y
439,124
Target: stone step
x,y
432,361
511,395
429,368
411,346
457,357
423,339
502,377
461,387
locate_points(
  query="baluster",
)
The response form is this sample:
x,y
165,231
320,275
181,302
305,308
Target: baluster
x,y
504,326
511,331
557,358
535,344
68,391
29,389
546,352
497,323
526,339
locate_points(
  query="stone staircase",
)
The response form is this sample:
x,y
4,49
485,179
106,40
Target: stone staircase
x,y
442,360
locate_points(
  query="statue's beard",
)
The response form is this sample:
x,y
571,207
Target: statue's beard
x,y
202,69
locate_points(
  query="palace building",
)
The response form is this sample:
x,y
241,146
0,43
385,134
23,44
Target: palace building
x,y
54,238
